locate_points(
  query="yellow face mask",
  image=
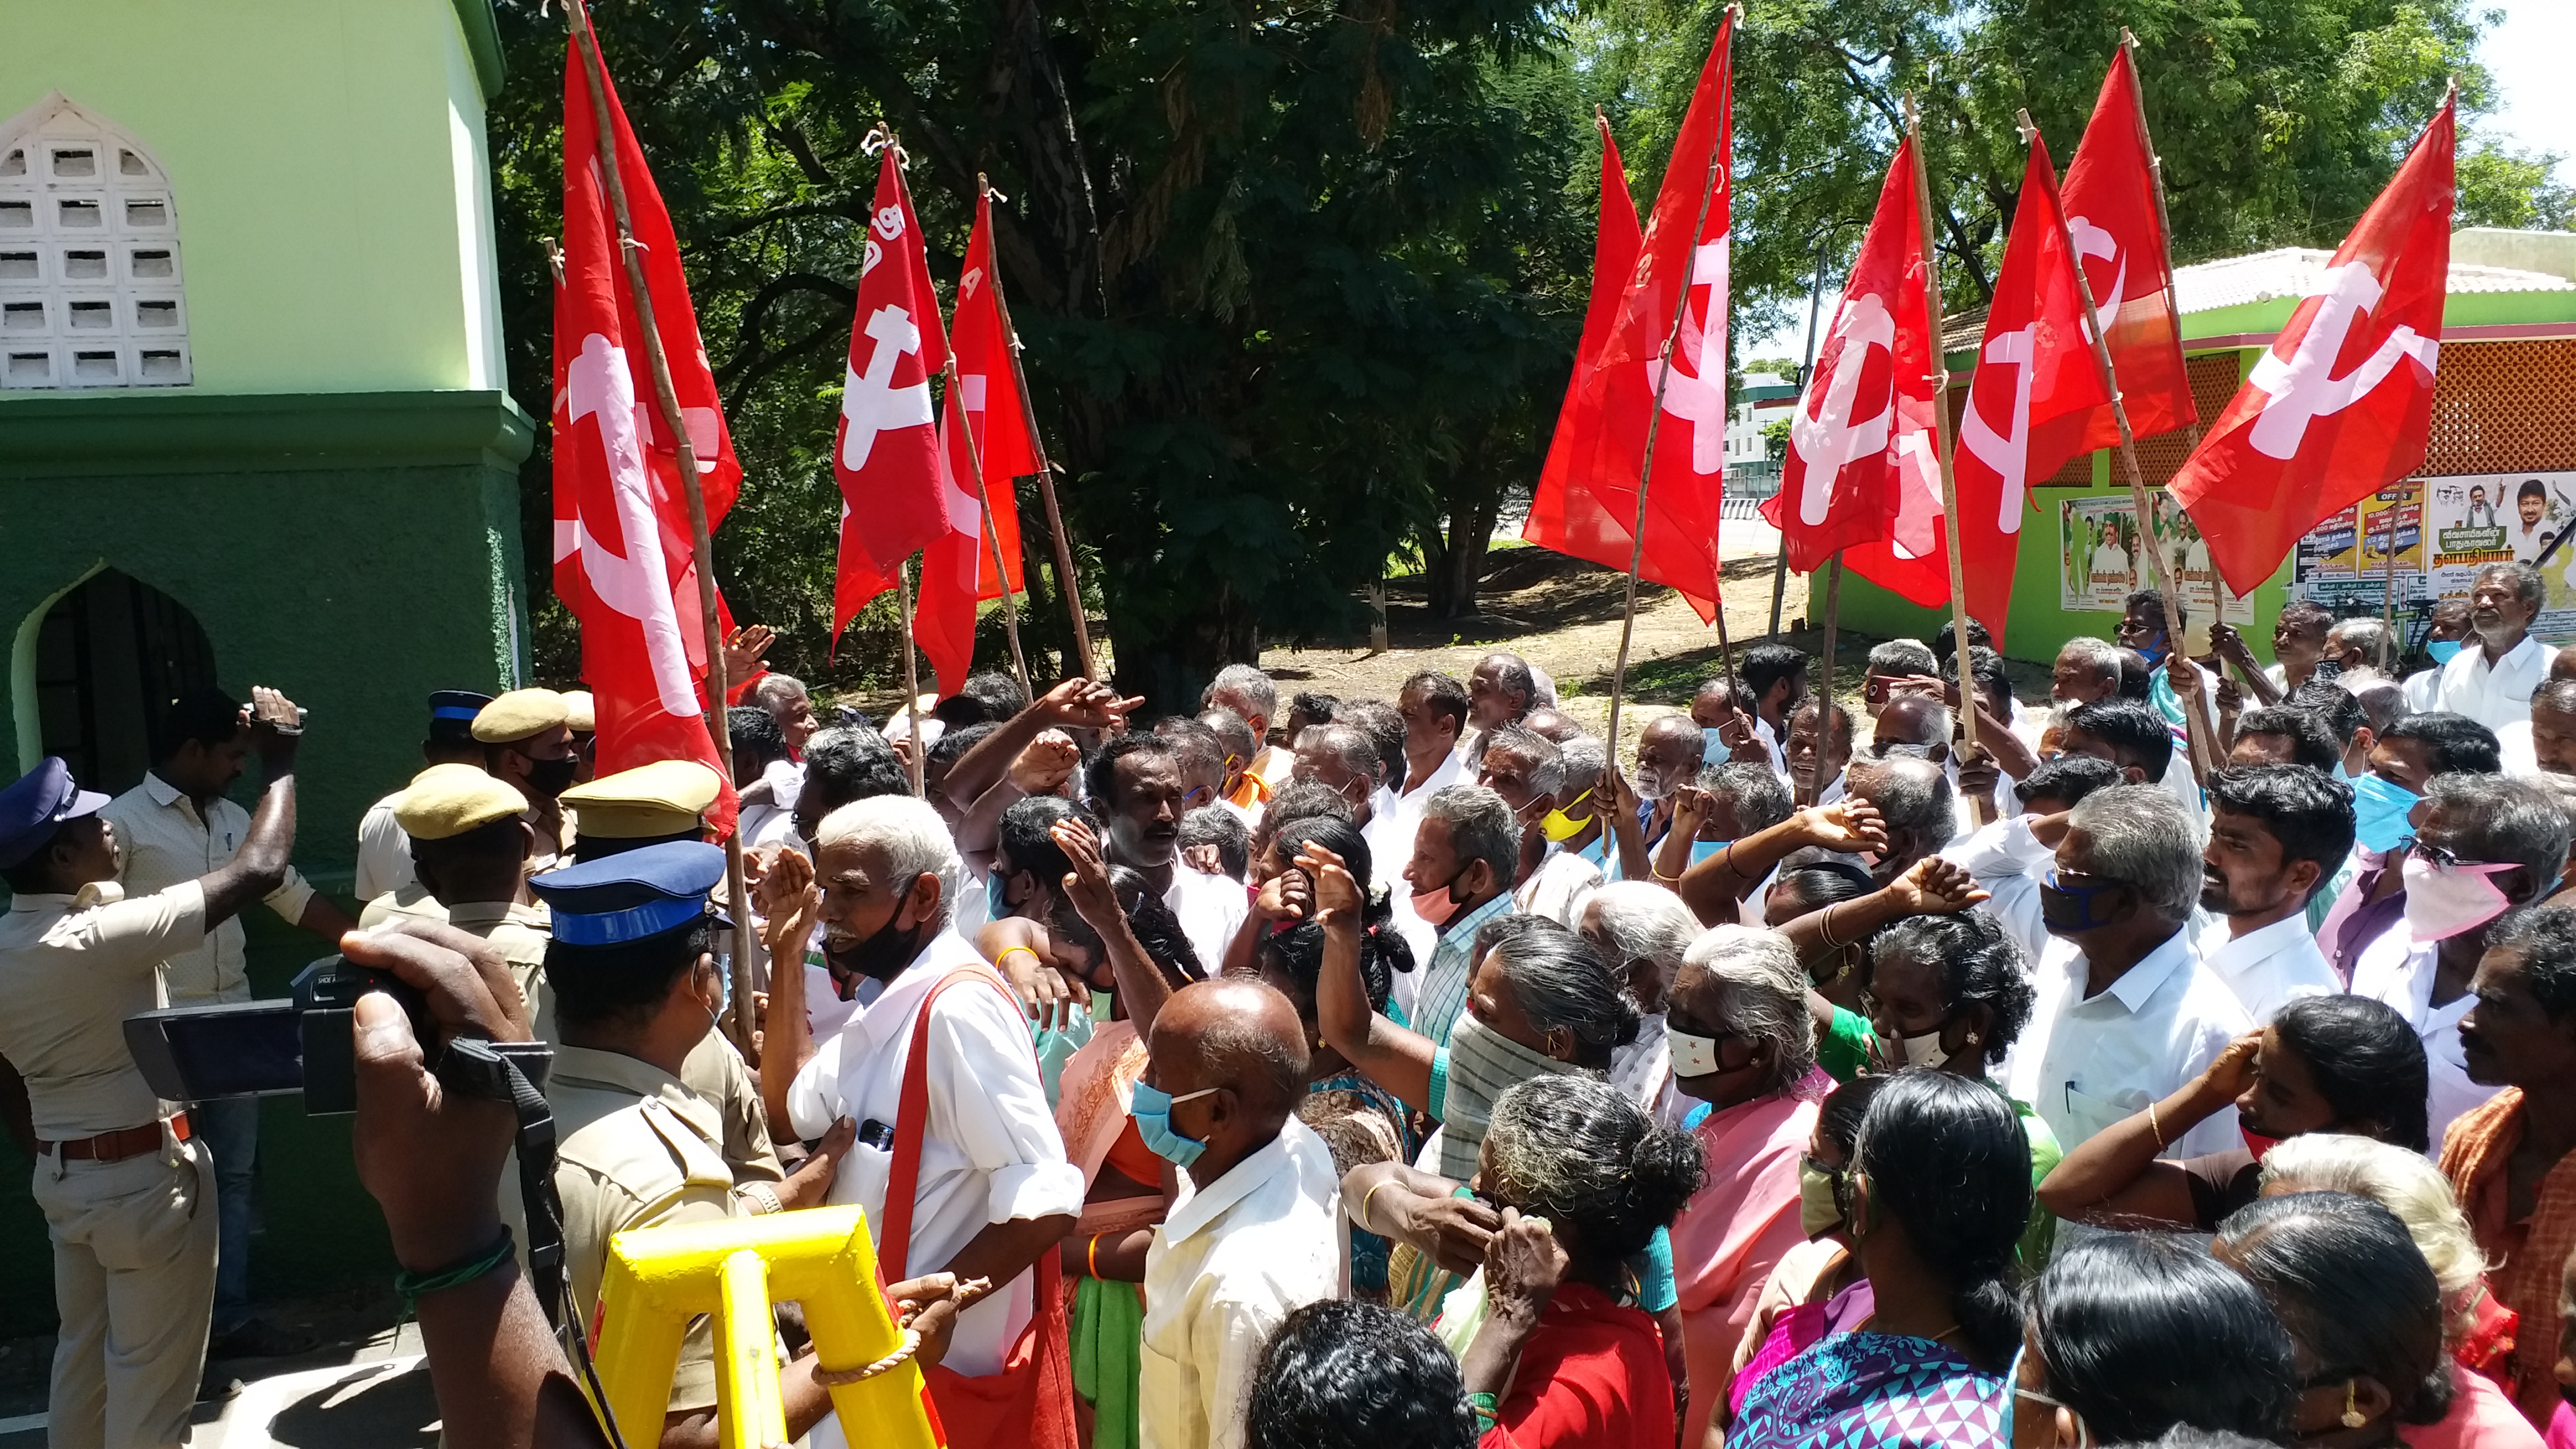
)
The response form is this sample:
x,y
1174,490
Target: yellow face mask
x,y
1560,826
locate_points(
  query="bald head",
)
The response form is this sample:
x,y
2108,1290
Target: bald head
x,y
1549,724
1239,1034
1668,756
2562,665
1913,719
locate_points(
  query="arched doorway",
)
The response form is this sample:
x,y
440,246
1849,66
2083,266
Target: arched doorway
x,y
110,657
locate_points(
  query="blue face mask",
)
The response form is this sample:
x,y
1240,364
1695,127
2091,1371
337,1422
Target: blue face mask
x,y
997,900
1711,748
2379,811
1703,849
1152,1109
2443,649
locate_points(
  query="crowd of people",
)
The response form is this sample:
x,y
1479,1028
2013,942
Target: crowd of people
x,y
2187,1058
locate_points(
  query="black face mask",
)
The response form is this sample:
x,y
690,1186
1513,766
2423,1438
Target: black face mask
x,y
2066,911
553,777
882,956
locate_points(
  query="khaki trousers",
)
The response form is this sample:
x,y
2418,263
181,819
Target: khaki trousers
x,y
134,1279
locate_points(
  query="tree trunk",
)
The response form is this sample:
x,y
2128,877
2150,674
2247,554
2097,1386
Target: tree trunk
x,y
1171,668
1454,565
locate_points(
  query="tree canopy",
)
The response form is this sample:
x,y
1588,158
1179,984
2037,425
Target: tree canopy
x,y
1300,283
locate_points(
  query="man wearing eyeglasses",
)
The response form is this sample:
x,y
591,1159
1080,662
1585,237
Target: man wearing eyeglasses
x,y
2483,845
2126,1010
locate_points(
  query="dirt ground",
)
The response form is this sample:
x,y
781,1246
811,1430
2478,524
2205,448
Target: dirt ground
x,y
1563,616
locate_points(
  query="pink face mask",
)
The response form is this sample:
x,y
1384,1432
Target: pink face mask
x,y
2443,901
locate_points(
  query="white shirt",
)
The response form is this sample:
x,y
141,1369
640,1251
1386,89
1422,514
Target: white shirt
x,y
2085,1064
2513,749
2007,861
774,822
1229,1263
2422,686
2397,971
990,1152
384,851
2493,696
1644,1067
2269,968
1210,908
1560,888
161,841
2179,783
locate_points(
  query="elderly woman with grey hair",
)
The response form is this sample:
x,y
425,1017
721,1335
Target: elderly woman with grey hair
x,y
1743,1044
1642,931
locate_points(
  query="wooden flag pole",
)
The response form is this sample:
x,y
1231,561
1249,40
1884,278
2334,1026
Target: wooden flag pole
x,y
666,400
2167,599
1646,474
1001,566
1825,697
914,749
1815,304
1941,423
2388,584
1069,582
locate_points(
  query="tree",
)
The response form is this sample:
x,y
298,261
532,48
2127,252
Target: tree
x,y
1294,281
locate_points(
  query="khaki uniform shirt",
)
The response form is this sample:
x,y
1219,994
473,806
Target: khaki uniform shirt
x,y
72,969
161,840
638,1150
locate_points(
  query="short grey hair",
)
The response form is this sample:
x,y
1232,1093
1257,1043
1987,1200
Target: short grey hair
x,y
2142,839
1903,657
2099,655
1561,982
1759,991
1352,748
1760,798
2403,1182
772,691
1480,827
915,841
2512,822
1253,685
1645,922
2526,582
1547,762
2368,635
1912,794
1583,757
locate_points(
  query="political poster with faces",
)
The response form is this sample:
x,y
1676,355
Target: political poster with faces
x,y
2467,522
2100,562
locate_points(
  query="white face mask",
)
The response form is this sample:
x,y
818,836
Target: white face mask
x,y
1924,1050
1693,1056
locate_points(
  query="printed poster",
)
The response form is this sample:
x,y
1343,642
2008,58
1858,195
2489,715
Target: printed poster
x,y
2473,520
2100,562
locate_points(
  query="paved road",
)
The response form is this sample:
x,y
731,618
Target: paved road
x,y
372,1396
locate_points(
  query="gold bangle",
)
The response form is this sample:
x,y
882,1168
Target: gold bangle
x,y
1660,876
1091,1259
1007,951
2156,1128
1369,1197
1825,926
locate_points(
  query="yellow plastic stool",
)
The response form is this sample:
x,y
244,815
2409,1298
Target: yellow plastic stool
x,y
660,1278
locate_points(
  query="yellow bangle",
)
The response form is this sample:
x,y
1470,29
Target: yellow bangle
x,y
2156,1128
1365,1200
1022,950
1092,1257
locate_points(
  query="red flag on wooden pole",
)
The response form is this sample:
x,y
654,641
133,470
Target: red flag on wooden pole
x,y
2110,201
2341,404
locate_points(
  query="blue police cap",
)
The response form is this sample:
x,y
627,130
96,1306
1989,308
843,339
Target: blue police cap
x,y
40,801
627,897
451,714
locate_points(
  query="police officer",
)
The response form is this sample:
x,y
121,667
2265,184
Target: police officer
x,y
125,1192
648,805
384,855
636,989
527,744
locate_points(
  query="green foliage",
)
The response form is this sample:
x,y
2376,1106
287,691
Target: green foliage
x,y
1775,438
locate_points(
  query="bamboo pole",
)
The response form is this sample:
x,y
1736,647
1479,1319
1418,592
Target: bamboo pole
x,y
1068,583
914,749
1825,699
1654,424
2167,599
666,400
2388,581
1941,423
1815,304
993,536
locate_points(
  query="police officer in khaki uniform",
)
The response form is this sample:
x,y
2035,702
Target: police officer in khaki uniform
x,y
527,745
128,1198
636,990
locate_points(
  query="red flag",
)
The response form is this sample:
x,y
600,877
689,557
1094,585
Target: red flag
x,y
1684,251
1562,516
2341,404
623,557
1861,443
885,452
957,567
2035,384
2110,200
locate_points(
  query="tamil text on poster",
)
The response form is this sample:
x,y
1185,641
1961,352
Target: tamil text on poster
x,y
2446,529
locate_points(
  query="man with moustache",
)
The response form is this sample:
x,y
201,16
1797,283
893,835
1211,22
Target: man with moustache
x,y
2491,680
994,1193
1669,754
1135,783
2544,744
2275,833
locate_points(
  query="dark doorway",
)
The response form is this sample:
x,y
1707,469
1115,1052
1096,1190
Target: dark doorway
x,y
110,657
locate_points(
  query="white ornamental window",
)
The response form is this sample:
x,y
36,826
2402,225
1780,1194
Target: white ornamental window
x,y
90,291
